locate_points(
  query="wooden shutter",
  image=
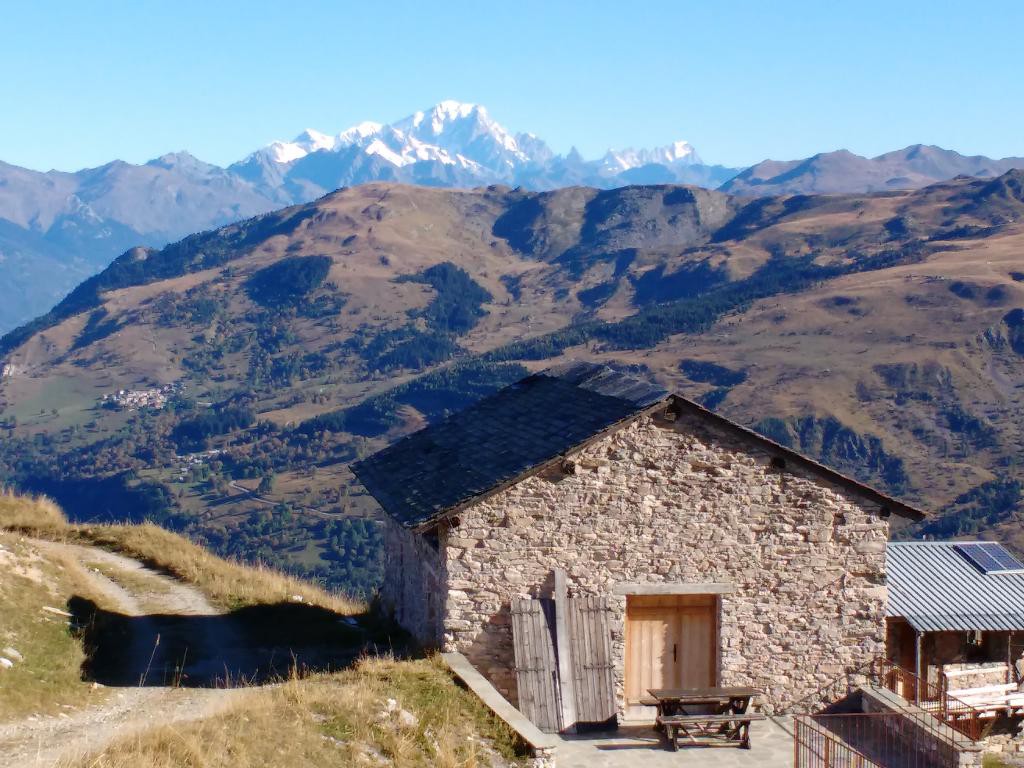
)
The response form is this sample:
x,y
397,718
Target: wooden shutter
x,y
592,665
536,673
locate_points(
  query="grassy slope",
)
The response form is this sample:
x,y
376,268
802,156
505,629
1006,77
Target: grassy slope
x,y
327,719
46,679
339,719
227,584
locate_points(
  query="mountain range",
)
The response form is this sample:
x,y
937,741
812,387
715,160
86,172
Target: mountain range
x,y
833,173
57,228
455,145
223,383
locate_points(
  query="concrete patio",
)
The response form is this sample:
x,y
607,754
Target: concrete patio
x,y
640,746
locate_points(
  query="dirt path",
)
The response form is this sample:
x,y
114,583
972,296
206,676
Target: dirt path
x,y
163,623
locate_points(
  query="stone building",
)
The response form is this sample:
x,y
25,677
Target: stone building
x,y
724,557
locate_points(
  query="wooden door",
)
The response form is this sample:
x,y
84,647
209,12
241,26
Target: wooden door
x,y
593,670
901,649
671,642
536,671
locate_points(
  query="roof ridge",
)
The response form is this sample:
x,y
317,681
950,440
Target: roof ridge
x,y
502,438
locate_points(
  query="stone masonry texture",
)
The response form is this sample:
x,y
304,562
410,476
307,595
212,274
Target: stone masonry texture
x,y
663,501
414,582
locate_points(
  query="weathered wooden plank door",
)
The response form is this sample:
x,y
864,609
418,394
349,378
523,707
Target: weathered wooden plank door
x,y
671,642
536,671
592,665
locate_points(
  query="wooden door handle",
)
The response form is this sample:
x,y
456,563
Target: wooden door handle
x,y
675,648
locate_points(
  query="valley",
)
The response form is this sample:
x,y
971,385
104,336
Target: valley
x,y
879,333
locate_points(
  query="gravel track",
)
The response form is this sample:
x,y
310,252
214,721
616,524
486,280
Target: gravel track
x,y
150,603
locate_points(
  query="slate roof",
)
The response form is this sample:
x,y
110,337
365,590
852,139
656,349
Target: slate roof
x,y
503,437
936,589
499,438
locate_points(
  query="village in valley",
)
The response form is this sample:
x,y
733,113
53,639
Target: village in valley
x,y
133,399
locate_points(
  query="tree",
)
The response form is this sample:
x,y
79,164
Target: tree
x,y
266,485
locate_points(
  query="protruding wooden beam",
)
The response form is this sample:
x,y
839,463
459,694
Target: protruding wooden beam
x,y
658,588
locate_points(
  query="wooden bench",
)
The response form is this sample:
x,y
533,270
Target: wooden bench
x,y
708,730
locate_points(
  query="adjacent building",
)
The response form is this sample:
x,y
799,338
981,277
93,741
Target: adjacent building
x,y
956,612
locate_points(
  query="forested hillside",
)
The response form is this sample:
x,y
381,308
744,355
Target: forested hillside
x,y
222,385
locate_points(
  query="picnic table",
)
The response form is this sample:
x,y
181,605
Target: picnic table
x,y
705,716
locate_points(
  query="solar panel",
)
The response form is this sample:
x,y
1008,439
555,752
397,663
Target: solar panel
x,y
989,557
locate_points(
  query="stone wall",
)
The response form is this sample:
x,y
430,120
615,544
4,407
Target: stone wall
x,y
973,675
681,501
413,588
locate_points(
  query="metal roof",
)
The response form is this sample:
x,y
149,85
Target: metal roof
x,y
936,589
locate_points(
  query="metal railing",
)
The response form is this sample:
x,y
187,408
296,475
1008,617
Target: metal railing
x,y
935,699
872,740
931,730
962,717
815,747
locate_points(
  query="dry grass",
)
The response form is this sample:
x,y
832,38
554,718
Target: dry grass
x,y
378,712
225,583
340,719
30,514
47,679
359,717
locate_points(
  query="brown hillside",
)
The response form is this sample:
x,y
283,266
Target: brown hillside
x,y
882,333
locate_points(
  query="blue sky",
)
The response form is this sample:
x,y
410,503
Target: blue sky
x,y
84,83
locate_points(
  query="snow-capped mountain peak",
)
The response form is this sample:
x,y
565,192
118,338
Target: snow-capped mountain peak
x,y
312,140
676,153
445,118
440,116
358,132
464,144
309,140
280,152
